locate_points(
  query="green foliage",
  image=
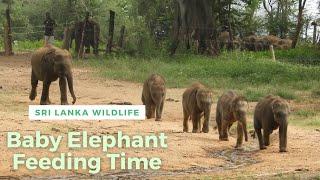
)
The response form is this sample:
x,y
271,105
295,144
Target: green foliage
x,y
280,16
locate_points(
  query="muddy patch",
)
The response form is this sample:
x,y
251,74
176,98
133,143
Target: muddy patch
x,y
235,158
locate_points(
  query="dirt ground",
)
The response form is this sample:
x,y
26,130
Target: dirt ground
x,y
191,156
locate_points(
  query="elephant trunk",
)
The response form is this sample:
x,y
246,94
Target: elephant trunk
x,y
244,125
206,122
70,85
283,135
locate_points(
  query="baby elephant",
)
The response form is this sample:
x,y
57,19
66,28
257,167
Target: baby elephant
x,y
231,108
153,96
49,64
196,102
270,113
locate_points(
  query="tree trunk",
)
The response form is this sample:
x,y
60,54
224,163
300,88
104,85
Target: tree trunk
x,y
8,35
81,49
299,24
111,31
230,44
121,38
314,40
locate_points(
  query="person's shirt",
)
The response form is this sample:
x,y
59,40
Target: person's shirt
x,y
49,24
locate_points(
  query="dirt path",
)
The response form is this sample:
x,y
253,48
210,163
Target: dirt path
x,y
188,155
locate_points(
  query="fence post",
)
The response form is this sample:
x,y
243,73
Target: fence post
x,y
111,31
7,35
121,38
272,53
314,40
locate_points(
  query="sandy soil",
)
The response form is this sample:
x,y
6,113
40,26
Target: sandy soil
x,y
187,156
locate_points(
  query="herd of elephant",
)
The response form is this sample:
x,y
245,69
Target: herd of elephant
x,y
50,63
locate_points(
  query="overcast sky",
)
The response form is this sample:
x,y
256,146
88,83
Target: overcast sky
x,y
312,8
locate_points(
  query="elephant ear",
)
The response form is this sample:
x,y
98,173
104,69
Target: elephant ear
x,y
236,101
197,97
276,105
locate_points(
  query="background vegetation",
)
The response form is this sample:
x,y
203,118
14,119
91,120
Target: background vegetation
x,y
148,36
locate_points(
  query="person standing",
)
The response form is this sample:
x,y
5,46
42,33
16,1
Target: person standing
x,y
49,25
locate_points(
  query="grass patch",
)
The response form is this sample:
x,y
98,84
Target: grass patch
x,y
254,94
286,94
313,122
31,45
305,113
306,55
253,74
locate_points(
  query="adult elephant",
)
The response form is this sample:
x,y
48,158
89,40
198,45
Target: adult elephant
x,y
194,16
87,32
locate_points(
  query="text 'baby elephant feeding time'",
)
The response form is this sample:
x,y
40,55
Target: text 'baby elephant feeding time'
x,y
196,102
231,108
49,64
271,113
153,96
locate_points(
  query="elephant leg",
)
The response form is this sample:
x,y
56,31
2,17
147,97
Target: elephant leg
x,y
148,111
259,134
239,135
224,130
143,100
34,84
63,91
45,92
186,116
159,109
48,98
195,122
266,135
218,120
283,138
153,110
146,101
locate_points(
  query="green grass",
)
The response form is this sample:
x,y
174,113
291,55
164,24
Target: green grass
x,y
313,122
307,55
253,74
31,45
306,118
306,113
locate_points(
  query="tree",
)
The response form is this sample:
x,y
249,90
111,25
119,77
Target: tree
x,y
279,13
301,7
